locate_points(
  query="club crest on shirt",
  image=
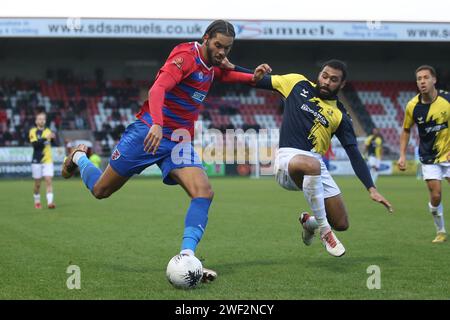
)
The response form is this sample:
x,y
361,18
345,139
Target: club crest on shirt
x,y
115,155
178,62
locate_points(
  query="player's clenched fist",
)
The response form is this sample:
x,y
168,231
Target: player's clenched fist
x,y
261,71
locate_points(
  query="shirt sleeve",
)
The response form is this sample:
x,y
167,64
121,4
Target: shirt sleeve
x,y
32,136
359,166
379,142
232,76
48,133
408,122
164,83
281,83
176,68
242,69
285,83
345,132
179,66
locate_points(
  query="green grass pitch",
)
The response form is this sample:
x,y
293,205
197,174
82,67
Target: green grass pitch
x,y
123,244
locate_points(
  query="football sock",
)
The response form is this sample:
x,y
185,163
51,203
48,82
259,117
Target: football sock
x,y
89,172
314,194
49,197
195,223
37,198
438,216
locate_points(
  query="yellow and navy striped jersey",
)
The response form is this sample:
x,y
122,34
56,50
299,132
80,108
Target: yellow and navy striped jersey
x,y
309,122
432,121
40,140
374,145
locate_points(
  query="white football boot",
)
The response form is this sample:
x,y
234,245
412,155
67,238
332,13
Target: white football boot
x,y
332,244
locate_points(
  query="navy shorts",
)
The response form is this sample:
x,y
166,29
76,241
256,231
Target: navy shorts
x,y
129,157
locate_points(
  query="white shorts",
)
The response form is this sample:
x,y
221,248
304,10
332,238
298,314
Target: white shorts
x,y
436,171
39,170
282,159
374,162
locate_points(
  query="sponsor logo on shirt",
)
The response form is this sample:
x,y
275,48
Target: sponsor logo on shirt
x,y
436,128
198,96
316,114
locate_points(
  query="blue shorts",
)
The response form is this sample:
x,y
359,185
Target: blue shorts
x,y
129,157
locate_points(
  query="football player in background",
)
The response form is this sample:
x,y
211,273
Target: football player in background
x,y
42,162
374,151
430,111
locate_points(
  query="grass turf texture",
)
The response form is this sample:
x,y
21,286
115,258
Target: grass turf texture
x,y
123,244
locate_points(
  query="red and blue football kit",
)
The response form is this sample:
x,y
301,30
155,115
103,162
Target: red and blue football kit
x,y
175,100
189,83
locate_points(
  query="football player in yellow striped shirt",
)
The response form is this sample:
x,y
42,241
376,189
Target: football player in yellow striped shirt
x,y
42,163
430,111
374,150
312,115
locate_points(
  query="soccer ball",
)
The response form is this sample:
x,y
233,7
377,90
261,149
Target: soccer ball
x,y
184,271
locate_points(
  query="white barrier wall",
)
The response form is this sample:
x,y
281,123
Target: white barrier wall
x,y
343,167
16,161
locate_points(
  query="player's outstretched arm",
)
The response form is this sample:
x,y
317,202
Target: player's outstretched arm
x,y
259,72
263,80
404,139
376,196
363,174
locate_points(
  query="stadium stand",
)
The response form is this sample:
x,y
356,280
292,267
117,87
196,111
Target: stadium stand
x,y
385,103
105,108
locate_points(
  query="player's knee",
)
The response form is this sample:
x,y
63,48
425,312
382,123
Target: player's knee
x,y
204,191
210,194
207,193
304,165
341,226
101,193
435,197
